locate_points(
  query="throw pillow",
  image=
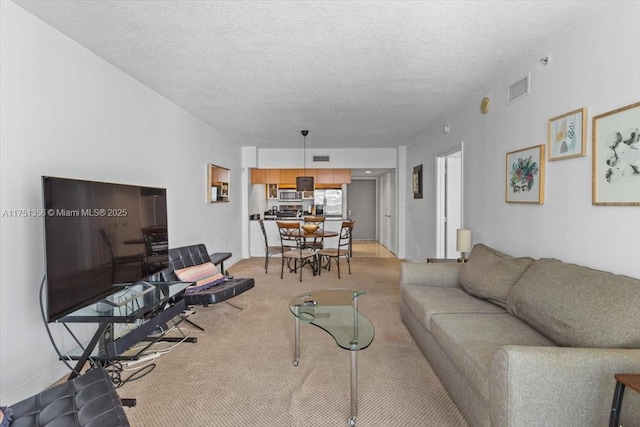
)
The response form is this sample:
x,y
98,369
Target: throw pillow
x,y
204,276
490,274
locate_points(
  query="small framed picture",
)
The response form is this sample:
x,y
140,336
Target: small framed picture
x,y
616,157
417,182
568,135
525,175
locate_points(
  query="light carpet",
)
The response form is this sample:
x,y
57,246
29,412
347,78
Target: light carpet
x,y
240,372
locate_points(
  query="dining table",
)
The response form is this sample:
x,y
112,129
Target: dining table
x,y
318,234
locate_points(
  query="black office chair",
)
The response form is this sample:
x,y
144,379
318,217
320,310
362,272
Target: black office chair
x,y
342,251
122,260
268,250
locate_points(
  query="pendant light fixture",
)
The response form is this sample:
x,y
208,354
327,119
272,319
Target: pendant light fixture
x,y
304,183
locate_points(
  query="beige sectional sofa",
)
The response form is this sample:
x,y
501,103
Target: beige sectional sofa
x,y
523,342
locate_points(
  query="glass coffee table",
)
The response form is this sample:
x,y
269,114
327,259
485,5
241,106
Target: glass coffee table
x,y
336,312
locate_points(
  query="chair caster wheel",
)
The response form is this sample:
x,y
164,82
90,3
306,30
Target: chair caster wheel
x,y
352,422
295,363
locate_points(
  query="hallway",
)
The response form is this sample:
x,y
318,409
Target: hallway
x,y
370,249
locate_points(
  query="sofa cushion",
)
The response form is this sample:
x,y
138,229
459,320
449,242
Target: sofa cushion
x,y
471,339
490,274
576,306
425,301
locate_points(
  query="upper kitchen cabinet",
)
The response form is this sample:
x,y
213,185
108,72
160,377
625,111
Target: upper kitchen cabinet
x,y
288,176
325,176
334,176
258,176
265,176
342,176
272,176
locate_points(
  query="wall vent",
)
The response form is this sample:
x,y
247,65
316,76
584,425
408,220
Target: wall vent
x,y
320,158
519,89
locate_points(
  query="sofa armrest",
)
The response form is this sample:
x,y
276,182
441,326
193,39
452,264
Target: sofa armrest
x,y
532,385
429,274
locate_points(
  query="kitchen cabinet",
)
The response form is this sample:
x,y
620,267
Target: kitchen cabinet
x,y
272,176
272,191
288,176
342,176
325,176
258,176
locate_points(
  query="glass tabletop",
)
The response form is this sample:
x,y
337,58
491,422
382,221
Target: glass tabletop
x,y
129,304
335,311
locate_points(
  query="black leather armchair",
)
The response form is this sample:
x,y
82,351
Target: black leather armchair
x,y
89,400
188,256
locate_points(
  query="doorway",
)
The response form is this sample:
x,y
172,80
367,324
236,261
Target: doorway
x,y
388,208
361,202
449,201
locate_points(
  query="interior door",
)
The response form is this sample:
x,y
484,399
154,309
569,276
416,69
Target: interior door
x,y
449,192
393,209
388,216
361,205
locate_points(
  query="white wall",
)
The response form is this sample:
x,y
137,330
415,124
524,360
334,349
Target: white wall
x,y
594,64
66,112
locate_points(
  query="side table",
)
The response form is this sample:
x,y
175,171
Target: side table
x,y
629,380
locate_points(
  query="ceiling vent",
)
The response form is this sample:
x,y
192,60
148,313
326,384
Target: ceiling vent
x,y
320,158
519,89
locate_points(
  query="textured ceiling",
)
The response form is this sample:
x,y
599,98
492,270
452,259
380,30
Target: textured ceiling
x,y
355,73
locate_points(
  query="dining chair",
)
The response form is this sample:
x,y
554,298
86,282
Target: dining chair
x,y
318,242
293,249
122,260
268,250
343,249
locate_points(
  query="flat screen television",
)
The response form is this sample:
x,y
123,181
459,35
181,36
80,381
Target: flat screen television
x,y
99,235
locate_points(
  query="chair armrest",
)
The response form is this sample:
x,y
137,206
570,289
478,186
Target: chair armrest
x,y
219,257
532,385
429,274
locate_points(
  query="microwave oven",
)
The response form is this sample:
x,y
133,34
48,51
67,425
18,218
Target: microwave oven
x,y
290,195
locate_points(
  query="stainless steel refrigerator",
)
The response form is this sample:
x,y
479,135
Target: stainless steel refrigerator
x,y
330,201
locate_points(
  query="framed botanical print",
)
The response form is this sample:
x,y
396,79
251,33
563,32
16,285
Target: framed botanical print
x,y
525,175
568,135
616,157
417,182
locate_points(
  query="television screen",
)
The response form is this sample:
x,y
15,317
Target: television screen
x,y
97,235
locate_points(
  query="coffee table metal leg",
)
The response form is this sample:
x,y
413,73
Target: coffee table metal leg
x,y
354,365
354,388
296,327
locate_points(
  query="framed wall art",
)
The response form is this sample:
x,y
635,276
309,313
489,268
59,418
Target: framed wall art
x,y
616,157
417,182
568,135
525,175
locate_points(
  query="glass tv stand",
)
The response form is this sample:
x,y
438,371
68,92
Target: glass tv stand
x,y
125,318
